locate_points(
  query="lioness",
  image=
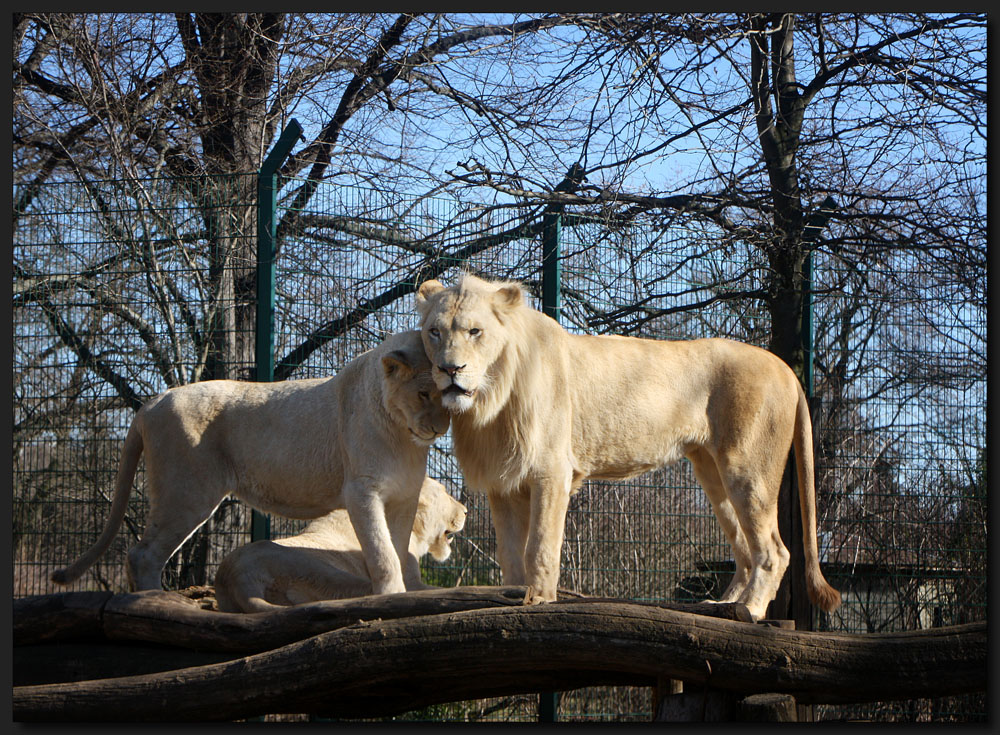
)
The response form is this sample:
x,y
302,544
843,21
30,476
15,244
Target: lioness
x,y
299,448
537,410
325,562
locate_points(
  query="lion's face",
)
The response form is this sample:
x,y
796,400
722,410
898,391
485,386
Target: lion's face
x,y
438,517
411,395
464,335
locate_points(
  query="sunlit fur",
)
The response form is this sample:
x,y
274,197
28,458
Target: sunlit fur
x,y
298,448
499,426
551,409
325,561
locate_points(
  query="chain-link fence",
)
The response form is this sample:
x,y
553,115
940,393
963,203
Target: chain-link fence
x,y
125,288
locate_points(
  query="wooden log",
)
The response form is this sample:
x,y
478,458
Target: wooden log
x,y
392,666
189,631
66,662
170,618
66,616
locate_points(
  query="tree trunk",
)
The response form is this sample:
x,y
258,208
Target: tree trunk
x,y
779,110
234,58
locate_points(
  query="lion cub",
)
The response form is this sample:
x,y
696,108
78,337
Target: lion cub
x,y
298,448
325,562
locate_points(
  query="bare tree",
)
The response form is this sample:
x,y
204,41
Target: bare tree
x,y
883,113
109,102
737,127
608,93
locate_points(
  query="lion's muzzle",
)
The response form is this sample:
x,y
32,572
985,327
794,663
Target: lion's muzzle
x,y
456,390
456,398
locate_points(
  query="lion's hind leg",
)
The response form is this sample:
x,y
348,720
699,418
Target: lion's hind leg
x,y
707,474
173,516
755,504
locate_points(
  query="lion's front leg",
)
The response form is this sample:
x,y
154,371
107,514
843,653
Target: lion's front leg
x,y
511,512
400,514
367,510
549,501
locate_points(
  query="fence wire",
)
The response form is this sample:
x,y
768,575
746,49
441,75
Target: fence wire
x,y
125,288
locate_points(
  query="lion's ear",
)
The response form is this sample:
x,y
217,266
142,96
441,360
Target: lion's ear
x,y
510,296
398,363
426,290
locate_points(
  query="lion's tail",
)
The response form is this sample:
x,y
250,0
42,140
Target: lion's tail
x,y
119,504
820,592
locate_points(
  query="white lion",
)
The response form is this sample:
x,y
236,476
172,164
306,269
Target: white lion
x,y
537,410
298,448
325,561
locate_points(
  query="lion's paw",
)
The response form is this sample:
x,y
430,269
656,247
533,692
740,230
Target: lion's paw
x,y
531,597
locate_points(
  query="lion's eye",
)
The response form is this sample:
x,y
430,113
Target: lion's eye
x,y
434,332
474,332
424,395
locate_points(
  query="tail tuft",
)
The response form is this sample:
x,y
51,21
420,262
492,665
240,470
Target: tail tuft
x,y
59,576
823,596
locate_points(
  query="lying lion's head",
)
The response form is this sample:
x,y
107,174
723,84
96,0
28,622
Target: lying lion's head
x,y
411,396
438,516
465,329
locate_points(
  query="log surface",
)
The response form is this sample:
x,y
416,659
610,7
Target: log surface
x,y
69,662
173,619
388,666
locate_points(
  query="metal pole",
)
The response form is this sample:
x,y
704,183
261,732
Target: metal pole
x,y
260,523
266,232
810,234
551,268
807,325
798,606
548,702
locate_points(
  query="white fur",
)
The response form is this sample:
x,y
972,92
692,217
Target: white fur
x,y
325,561
550,409
298,448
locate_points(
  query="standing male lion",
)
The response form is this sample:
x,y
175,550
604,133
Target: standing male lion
x,y
537,410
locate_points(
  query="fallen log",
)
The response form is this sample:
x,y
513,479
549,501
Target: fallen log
x,y
65,616
385,667
76,636
173,619
68,662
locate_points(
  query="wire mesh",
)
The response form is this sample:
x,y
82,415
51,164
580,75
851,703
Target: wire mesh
x,y
120,292
901,475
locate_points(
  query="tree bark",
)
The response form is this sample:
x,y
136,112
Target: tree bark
x,y
385,667
70,662
173,619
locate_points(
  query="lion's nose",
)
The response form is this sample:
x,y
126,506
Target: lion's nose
x,y
450,369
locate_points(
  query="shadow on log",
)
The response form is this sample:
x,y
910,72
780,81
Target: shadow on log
x,y
492,646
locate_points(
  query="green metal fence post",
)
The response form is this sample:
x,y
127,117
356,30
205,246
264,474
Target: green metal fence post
x,y
795,601
548,702
551,269
807,324
810,234
260,523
